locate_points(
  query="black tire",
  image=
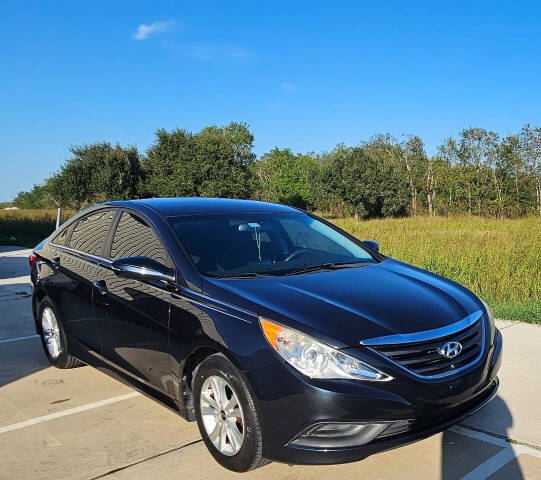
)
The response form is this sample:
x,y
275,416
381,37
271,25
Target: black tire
x,y
250,455
64,359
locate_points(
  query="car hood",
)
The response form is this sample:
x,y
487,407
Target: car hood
x,y
343,307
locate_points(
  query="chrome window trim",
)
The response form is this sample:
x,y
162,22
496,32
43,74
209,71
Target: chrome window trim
x,y
428,335
83,255
425,335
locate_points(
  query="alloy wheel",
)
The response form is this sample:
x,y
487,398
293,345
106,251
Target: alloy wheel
x,y
222,415
51,332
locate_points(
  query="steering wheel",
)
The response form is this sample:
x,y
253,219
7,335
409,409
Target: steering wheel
x,y
294,254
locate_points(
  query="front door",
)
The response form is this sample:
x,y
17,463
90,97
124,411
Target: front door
x,y
134,330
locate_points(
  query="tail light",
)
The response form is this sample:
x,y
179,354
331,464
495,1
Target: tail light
x,y
32,258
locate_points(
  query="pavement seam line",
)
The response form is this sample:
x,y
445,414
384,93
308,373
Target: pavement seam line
x,y
16,339
156,455
11,298
64,413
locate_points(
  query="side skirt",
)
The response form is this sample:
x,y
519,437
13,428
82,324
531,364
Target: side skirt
x,y
100,363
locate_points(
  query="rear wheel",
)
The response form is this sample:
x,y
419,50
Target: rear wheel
x,y
226,415
53,338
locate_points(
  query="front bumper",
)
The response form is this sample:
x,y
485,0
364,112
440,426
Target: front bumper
x,y
289,404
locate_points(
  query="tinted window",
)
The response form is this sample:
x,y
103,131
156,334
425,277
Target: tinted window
x,y
62,237
90,233
135,238
263,243
303,235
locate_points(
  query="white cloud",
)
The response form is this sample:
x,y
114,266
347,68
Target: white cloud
x,y
145,31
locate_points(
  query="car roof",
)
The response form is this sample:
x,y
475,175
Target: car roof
x,y
170,207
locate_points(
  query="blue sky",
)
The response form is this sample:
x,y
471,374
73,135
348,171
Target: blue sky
x,y
304,75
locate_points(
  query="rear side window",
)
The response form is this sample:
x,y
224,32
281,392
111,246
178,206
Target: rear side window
x,y
135,238
62,237
90,233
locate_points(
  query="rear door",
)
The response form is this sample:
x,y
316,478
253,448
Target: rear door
x,y
78,249
134,331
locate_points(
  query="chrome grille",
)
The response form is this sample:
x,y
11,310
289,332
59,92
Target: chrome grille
x,y
423,357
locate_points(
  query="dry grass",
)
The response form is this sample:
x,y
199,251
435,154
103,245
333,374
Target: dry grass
x,y
33,214
27,227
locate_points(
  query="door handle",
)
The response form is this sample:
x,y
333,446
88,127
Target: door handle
x,y
100,287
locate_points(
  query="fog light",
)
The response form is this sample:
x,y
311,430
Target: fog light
x,y
335,429
337,435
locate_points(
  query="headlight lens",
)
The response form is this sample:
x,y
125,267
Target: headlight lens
x,y
490,318
315,359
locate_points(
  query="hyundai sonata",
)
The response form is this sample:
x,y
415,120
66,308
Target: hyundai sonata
x,y
283,336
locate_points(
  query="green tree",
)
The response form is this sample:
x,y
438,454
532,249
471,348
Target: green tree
x,y
96,173
211,163
366,181
388,175
416,163
530,148
286,178
439,186
476,172
39,196
474,153
342,190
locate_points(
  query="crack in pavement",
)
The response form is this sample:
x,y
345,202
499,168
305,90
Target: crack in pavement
x,y
156,455
511,441
511,324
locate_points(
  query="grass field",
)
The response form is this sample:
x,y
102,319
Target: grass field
x,y
27,227
500,260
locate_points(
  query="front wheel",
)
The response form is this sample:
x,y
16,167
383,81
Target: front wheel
x,y
226,415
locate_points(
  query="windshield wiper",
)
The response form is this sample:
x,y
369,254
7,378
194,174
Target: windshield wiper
x,y
312,268
326,266
247,275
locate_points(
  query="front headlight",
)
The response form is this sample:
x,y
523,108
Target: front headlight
x,y
490,318
315,359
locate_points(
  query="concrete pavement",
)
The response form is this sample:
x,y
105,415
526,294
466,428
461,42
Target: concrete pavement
x,y
81,424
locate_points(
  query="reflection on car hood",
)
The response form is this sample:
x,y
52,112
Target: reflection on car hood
x,y
349,305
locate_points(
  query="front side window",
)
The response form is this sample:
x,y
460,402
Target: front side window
x,y
245,244
135,238
90,232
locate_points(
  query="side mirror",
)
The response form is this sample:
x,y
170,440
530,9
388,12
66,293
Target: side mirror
x,y
143,268
372,244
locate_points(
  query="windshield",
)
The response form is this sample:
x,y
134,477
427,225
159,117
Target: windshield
x,y
254,244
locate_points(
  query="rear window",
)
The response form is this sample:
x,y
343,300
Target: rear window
x,y
90,232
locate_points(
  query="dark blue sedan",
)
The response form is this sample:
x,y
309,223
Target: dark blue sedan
x,y
283,336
